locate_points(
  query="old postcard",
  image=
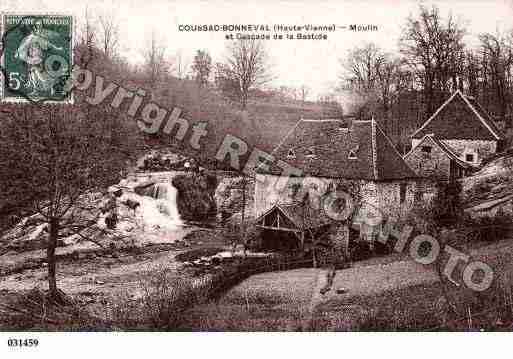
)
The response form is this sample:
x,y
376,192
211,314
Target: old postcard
x,y
221,166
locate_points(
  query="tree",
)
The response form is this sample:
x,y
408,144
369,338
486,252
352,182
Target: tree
x,y
433,49
373,76
53,156
109,34
246,67
497,53
155,62
227,85
447,207
201,67
87,31
304,91
181,65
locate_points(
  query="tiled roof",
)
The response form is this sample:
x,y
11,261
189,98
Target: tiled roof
x,y
325,148
460,117
302,215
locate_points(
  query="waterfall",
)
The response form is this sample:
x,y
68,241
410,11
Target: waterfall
x,y
166,195
158,206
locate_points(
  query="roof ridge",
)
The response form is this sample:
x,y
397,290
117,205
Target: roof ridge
x,y
374,149
281,142
436,112
468,104
480,117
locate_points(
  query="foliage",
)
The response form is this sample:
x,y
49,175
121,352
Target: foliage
x,y
447,207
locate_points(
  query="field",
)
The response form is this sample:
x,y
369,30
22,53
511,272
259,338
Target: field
x,y
380,294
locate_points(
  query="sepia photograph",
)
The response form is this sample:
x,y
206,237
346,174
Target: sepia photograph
x,y
255,167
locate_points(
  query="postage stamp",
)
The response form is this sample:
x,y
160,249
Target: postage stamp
x,y
37,57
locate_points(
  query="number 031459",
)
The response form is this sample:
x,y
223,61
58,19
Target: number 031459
x,y
18,342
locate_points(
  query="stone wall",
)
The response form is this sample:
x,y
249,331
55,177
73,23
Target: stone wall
x,y
386,197
382,197
433,165
290,190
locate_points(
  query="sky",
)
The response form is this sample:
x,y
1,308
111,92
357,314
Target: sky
x,y
314,63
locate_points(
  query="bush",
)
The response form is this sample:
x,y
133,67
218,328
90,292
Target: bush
x,y
488,229
164,298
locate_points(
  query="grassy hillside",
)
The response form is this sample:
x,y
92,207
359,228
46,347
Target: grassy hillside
x,y
263,124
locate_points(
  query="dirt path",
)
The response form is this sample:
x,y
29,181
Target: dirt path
x,y
316,298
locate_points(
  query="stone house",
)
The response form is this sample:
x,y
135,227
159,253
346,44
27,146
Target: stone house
x,y
433,159
356,158
464,128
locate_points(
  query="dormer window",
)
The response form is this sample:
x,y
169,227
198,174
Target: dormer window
x,y
352,155
309,153
470,155
344,127
291,154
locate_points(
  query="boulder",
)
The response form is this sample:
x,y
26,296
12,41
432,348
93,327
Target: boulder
x,y
195,200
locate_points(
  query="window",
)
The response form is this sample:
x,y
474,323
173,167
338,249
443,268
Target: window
x,y
352,155
426,149
291,154
469,157
309,153
344,127
402,192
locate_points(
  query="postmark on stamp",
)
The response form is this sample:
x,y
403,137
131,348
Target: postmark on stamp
x,y
37,57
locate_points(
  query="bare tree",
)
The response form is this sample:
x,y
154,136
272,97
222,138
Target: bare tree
x,y
372,74
498,55
154,57
52,158
433,49
87,30
181,65
201,67
247,66
304,91
108,34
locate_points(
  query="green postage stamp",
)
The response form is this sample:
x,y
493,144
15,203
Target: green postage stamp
x,y
37,57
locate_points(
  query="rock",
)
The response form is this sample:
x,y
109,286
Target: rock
x,y
195,200
132,204
228,195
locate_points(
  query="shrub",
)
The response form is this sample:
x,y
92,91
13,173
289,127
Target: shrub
x,y
164,298
488,229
